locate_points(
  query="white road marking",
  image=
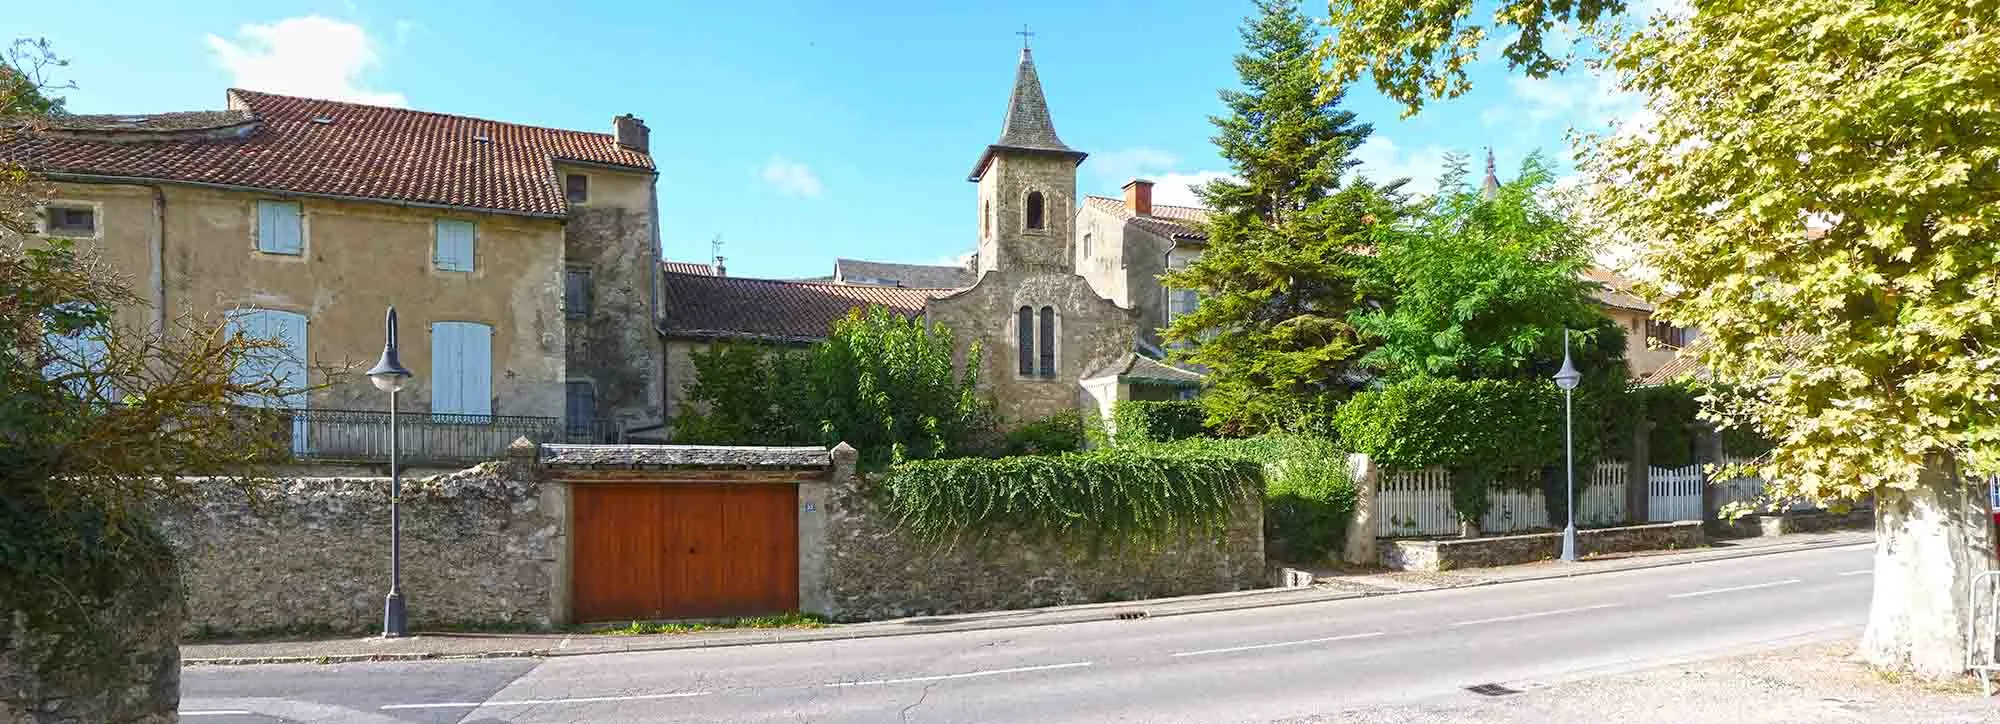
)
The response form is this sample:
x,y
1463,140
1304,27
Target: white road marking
x,y
966,675
218,712
1253,647
1862,572
1692,594
1539,614
538,702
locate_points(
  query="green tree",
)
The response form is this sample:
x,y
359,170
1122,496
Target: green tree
x,y
1820,190
1417,50
1283,266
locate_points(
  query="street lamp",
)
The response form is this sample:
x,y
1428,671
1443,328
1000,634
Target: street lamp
x,y
1567,378
389,376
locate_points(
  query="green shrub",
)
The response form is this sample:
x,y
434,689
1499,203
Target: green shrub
x,y
1671,410
1483,431
1140,421
1102,496
1056,434
1308,493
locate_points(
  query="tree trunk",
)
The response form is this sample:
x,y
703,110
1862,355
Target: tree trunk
x,y
1930,542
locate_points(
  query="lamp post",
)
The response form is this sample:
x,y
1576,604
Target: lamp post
x,y
1567,378
389,376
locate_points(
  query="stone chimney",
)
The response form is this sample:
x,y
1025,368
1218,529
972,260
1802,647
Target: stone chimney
x,y
632,133
1139,197
720,270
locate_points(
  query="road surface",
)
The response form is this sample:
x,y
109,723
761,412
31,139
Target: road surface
x,y
1258,665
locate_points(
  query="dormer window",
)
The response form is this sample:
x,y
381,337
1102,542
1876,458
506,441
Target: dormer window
x,y
1035,213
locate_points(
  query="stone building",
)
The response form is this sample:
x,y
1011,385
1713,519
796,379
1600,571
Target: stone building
x,y
1051,340
518,257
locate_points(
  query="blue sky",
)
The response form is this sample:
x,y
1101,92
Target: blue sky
x,y
797,132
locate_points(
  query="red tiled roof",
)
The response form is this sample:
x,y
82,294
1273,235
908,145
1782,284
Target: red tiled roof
x,y
1181,223
1686,364
360,151
688,267
1614,290
711,307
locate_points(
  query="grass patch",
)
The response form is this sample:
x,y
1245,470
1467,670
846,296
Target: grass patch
x,y
786,620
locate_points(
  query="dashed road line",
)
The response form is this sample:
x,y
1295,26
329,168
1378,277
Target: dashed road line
x,y
1537,614
1731,589
1862,572
1301,642
218,712
966,675
539,702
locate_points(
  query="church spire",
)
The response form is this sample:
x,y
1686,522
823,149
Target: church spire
x,y
1491,187
1027,126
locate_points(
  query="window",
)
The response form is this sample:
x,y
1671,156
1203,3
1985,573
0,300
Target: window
x,y
71,221
1667,334
579,407
576,188
1035,210
461,368
576,293
985,218
280,227
76,352
1181,301
284,365
1048,346
1086,246
1024,329
454,245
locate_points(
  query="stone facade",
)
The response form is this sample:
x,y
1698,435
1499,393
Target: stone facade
x,y
1454,554
1091,333
873,571
480,546
615,346
142,625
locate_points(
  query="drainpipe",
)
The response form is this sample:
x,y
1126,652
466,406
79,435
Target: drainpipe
x,y
159,254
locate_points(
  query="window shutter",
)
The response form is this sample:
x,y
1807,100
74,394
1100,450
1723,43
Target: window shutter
x,y
454,245
580,407
285,365
1024,321
278,227
1048,347
462,365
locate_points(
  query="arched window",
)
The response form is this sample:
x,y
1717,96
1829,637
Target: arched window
x,y
1035,209
1024,323
1048,347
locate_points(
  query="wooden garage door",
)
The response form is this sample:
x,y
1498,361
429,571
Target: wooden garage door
x,y
682,550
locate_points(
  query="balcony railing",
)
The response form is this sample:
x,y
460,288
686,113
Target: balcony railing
x,y
358,436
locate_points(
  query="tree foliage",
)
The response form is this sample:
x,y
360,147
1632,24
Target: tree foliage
x,y
880,382
1282,268
1417,50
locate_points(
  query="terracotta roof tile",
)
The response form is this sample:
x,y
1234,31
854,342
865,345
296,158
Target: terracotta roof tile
x,y
331,148
710,307
688,267
1180,223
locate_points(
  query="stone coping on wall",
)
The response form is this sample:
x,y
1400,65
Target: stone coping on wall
x,y
1459,553
686,456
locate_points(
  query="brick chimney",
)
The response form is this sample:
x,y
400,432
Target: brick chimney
x,y
1139,197
632,133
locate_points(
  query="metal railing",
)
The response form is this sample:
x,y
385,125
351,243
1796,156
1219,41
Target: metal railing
x,y
359,436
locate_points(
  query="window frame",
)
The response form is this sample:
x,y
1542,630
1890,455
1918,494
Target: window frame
x,y
577,304
570,187
1046,343
1024,341
259,232
49,227
573,426
1035,215
471,245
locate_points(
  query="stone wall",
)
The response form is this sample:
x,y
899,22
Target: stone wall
x,y
1454,554
479,547
1091,333
873,571
52,676
616,348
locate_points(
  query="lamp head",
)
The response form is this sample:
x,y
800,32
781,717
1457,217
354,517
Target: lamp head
x,y
388,374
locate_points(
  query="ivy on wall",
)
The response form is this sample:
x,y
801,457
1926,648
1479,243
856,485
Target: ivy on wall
x,y
1137,421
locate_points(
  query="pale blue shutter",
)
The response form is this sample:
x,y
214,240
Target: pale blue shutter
x,y
454,245
278,228
286,365
462,363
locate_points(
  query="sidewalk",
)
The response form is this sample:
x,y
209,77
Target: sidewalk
x,y
1327,586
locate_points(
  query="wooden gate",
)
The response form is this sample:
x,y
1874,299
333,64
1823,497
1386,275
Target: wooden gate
x,y
683,550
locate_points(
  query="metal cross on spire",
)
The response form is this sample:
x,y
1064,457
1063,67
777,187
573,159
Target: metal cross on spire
x,y
1025,35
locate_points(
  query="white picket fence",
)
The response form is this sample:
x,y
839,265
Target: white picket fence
x,y
1418,503
1674,493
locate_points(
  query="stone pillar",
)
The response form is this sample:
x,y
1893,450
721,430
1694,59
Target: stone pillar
x,y
814,551
522,461
1638,471
1360,545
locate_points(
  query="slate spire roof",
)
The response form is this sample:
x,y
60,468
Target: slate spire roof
x,y
1491,186
1027,126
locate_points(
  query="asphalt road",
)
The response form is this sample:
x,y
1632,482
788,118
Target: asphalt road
x,y
1257,665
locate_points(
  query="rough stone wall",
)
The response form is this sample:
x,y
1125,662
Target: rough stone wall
x,y
479,546
1005,241
617,346
1091,333
142,625
1447,555
873,571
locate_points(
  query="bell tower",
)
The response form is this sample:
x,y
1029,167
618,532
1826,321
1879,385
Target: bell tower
x,y
1027,184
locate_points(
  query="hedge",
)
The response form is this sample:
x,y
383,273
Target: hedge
x,y
1308,492
1142,421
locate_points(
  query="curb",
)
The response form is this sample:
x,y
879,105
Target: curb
x,y
1233,601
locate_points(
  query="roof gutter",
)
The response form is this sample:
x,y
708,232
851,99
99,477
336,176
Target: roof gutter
x,y
143,180
606,166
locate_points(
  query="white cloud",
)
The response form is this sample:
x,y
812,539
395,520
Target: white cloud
x,y
1383,161
1114,168
308,56
790,178
1177,189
